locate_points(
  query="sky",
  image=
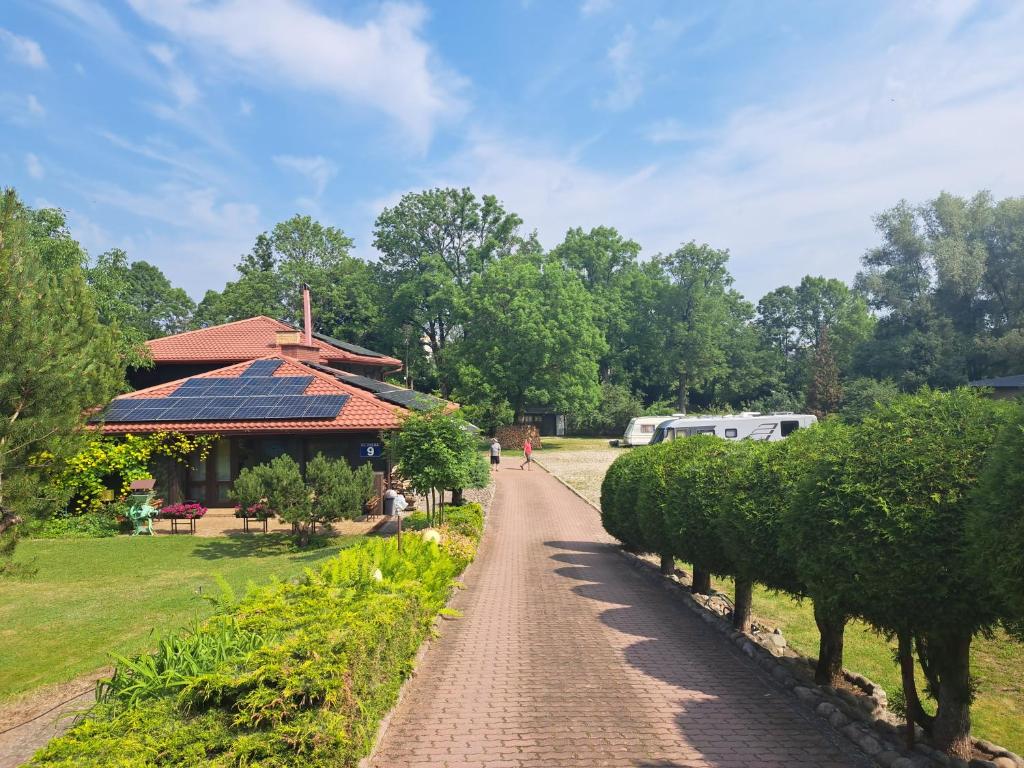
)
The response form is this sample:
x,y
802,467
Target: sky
x,y
178,130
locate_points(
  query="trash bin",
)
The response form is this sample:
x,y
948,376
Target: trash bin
x,y
389,503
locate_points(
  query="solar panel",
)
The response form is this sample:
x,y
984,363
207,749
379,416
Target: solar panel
x,y
225,408
262,368
408,398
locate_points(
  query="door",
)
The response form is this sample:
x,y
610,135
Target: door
x,y
209,480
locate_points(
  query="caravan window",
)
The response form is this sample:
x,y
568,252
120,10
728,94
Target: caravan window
x,y
647,429
789,427
688,431
731,432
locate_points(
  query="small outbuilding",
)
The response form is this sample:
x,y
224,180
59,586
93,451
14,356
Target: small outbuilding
x,y
1003,387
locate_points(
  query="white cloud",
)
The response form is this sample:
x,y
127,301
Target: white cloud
x,y
34,167
594,7
318,169
670,131
628,83
790,187
244,107
34,107
383,63
189,231
22,49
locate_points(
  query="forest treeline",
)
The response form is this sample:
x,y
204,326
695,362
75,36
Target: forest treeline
x,y
464,293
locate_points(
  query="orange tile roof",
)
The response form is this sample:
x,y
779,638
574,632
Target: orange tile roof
x,y
361,413
246,340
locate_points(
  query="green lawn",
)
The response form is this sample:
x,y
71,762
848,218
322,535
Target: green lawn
x,y
90,597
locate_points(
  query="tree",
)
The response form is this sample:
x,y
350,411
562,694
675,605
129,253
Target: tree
x,y
604,261
138,297
700,312
620,490
59,361
996,523
824,392
862,395
344,295
280,486
433,243
436,451
889,525
790,321
534,341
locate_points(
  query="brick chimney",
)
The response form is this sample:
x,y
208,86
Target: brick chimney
x,y
307,318
299,344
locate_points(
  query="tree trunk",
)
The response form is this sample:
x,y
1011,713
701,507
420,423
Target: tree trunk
x,y
744,598
701,581
668,564
915,712
951,661
682,393
829,670
457,497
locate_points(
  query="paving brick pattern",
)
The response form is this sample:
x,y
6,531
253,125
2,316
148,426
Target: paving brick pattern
x,y
566,656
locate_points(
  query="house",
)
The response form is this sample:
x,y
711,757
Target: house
x,y
267,390
1003,387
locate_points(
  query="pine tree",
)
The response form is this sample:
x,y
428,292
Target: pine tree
x,y
58,362
824,394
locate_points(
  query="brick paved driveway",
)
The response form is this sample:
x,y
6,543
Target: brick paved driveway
x,y
566,656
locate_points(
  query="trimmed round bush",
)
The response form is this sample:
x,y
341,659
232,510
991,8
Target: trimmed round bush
x,y
996,523
882,534
619,498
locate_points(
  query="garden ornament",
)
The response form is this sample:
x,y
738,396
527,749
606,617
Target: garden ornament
x,y
140,508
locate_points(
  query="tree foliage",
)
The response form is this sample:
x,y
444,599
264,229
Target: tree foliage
x,y
436,451
59,361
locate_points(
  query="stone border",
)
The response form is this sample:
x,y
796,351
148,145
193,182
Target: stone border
x,y
867,722
484,497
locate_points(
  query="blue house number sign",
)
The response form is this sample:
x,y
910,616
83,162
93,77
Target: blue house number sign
x,y
370,450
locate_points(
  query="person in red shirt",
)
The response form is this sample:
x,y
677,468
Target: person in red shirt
x,y
528,453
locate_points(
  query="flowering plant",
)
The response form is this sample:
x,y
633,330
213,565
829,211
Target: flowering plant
x,y
259,510
183,511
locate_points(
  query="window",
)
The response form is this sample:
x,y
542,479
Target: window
x,y
688,431
789,427
731,432
647,429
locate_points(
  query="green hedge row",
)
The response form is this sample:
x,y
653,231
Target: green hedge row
x,y
912,520
297,673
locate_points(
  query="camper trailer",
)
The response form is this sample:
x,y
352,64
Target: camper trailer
x,y
640,430
742,426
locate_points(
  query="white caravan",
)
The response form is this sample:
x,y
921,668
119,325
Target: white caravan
x,y
640,430
742,426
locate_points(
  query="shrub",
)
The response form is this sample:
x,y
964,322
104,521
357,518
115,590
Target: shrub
x,y
338,493
467,520
297,674
885,530
91,525
696,471
996,523
649,502
619,490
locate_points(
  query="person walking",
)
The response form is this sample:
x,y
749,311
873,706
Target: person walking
x,y
528,453
495,454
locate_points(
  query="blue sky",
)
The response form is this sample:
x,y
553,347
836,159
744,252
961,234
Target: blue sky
x,y
180,129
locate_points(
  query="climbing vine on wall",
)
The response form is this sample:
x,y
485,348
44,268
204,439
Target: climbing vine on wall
x,y
108,465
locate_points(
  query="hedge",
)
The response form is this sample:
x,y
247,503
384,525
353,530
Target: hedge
x,y
297,673
909,520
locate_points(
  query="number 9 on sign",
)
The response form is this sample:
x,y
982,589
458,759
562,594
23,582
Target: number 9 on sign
x,y
370,450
